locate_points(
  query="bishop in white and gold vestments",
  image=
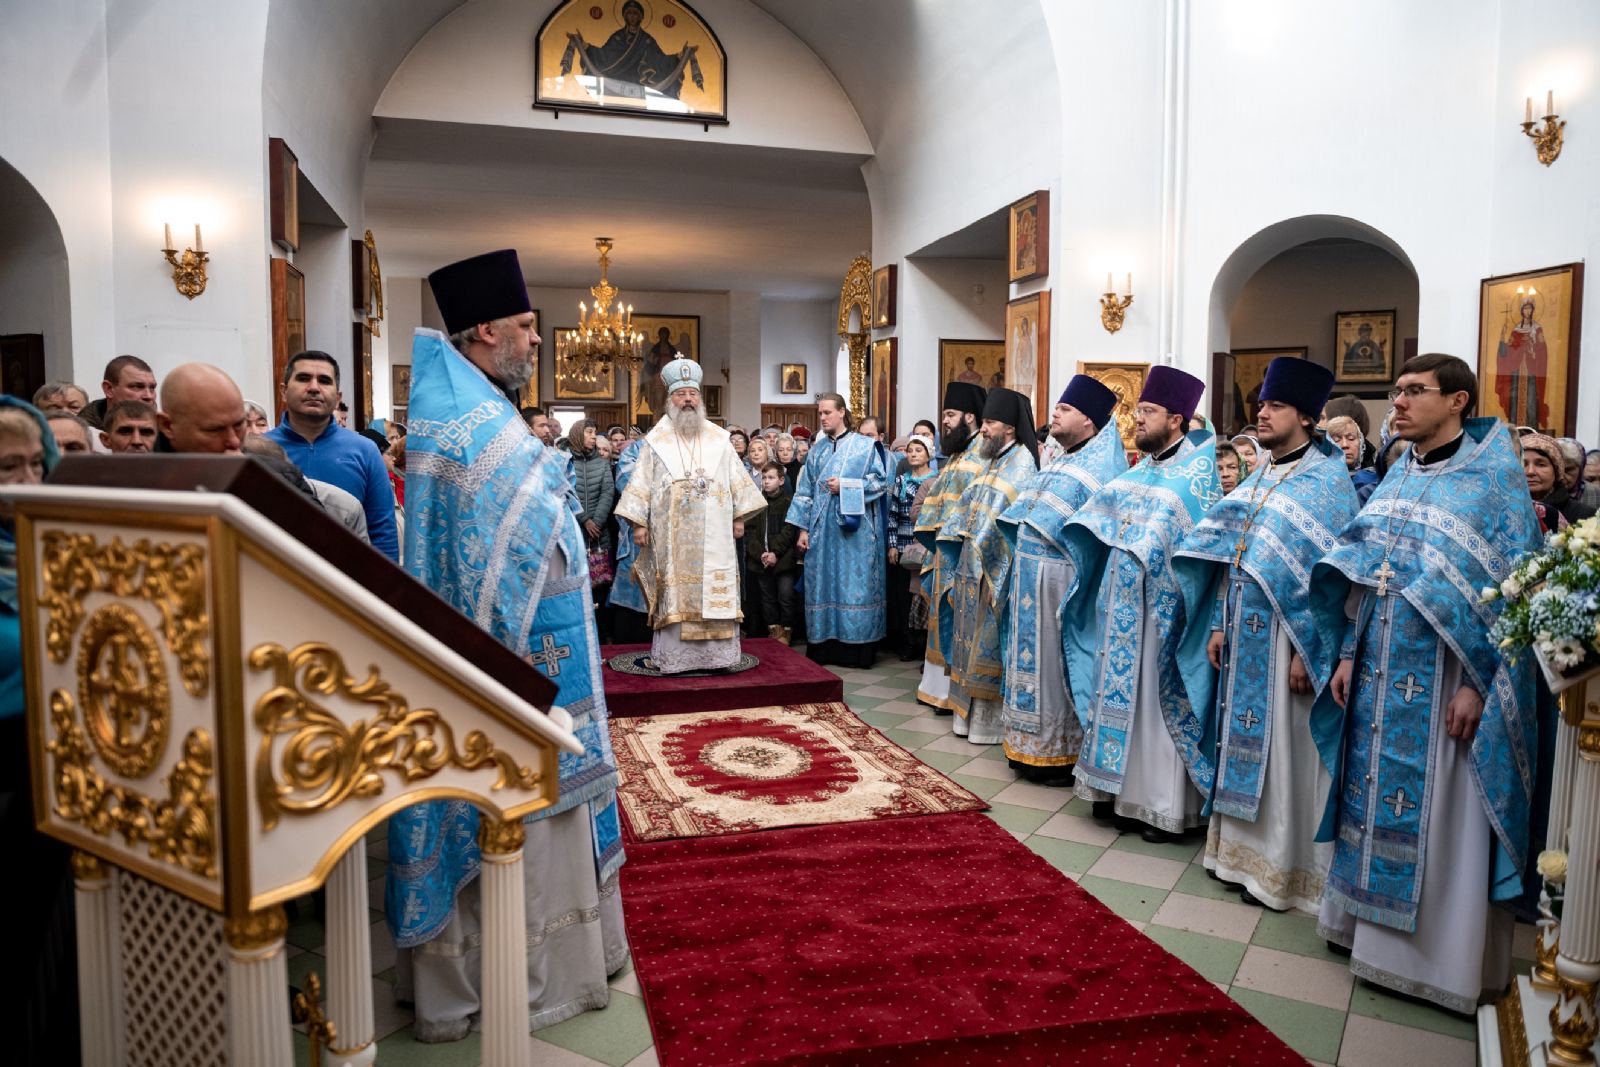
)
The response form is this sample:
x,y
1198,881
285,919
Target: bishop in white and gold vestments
x,y
687,502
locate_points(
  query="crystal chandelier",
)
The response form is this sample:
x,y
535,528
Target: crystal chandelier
x,y
605,337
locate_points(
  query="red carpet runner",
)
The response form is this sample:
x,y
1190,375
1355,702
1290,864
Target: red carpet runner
x,y
725,772
939,939
784,677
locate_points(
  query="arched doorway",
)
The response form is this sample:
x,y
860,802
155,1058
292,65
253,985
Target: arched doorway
x,y
1329,288
35,307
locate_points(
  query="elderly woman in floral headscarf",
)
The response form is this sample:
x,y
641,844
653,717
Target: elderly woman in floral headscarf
x,y
1541,463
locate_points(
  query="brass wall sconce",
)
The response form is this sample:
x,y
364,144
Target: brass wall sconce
x,y
188,266
1114,307
1547,138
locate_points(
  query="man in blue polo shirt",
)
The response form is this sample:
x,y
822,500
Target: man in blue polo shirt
x,y
327,452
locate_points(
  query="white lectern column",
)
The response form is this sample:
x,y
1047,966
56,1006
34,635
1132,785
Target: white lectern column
x,y
99,961
258,990
505,941
1573,1025
350,961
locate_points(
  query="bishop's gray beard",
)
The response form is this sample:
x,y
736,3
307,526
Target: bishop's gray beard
x,y
686,420
510,369
991,447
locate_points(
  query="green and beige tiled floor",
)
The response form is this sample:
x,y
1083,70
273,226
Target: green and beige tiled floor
x,y
1273,964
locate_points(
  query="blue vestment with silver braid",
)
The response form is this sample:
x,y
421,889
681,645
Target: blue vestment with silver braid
x,y
1441,533
1284,529
847,556
1035,524
1121,543
489,529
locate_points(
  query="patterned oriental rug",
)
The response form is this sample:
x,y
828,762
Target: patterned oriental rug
x,y
725,772
907,941
781,676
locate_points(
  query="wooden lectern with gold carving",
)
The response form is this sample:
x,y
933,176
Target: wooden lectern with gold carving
x,y
226,692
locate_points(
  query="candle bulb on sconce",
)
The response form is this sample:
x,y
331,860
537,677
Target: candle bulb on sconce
x,y
188,266
1112,307
1547,139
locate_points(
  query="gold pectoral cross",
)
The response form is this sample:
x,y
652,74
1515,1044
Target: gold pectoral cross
x,y
1383,574
1238,552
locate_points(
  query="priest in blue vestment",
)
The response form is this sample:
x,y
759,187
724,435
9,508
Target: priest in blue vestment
x,y
1009,451
1430,732
1147,751
488,529
959,440
838,506
1042,735
1250,560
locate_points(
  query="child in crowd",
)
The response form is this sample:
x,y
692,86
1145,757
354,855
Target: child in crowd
x,y
769,556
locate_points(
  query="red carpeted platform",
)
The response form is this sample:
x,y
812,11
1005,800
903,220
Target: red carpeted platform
x,y
784,676
935,939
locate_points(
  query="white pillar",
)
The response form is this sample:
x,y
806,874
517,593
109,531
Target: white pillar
x,y
349,948
505,941
1544,974
99,961
1573,1024
258,990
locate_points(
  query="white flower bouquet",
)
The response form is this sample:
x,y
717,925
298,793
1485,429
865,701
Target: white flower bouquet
x,y
1552,605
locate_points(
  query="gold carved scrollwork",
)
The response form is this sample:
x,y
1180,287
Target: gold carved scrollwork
x,y
500,838
180,829
858,373
256,930
87,867
856,292
326,761
1589,739
122,686
1573,1026
170,576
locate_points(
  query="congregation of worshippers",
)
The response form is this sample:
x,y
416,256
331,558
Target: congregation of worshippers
x,y
1267,636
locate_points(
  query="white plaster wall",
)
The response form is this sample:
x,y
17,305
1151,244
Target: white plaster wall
x,y
1304,110
1544,216
779,92
938,299
187,145
1106,212
797,331
54,131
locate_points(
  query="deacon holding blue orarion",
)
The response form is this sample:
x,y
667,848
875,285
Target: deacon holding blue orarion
x,y
489,530
1250,562
838,506
1147,750
1430,731
1042,734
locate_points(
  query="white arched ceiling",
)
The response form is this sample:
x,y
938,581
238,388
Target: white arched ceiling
x,y
1253,253
34,287
325,67
948,111
960,101
773,203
